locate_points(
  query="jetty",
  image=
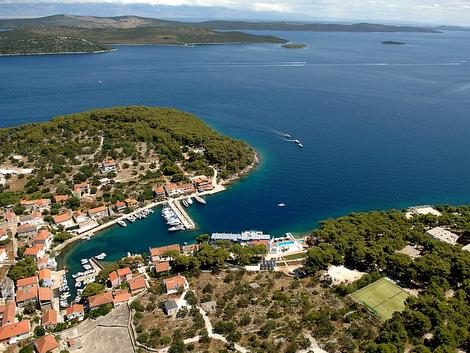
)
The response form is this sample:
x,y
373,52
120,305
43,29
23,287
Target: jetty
x,y
188,223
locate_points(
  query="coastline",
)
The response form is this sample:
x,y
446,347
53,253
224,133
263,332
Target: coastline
x,y
219,187
62,53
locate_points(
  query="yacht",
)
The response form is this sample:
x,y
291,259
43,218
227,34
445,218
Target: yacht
x,y
185,203
190,201
131,219
281,204
200,200
300,145
122,223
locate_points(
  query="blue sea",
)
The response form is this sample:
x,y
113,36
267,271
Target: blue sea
x,y
384,126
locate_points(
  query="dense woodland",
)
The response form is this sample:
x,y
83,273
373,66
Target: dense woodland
x,y
66,150
435,321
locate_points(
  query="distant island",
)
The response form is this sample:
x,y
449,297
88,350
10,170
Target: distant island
x,y
76,34
293,46
126,22
393,42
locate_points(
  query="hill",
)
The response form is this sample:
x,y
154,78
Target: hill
x,y
151,145
24,42
54,40
310,27
140,22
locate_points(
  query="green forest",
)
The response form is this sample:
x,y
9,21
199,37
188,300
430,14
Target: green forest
x,y
67,148
437,320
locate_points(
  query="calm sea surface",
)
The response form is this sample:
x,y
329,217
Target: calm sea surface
x,y
383,126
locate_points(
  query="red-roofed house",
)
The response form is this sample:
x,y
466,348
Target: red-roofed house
x,y
75,311
26,295
121,296
27,282
16,332
173,284
60,198
44,237
96,301
119,206
65,220
45,276
46,344
45,297
49,318
8,313
36,252
176,190
159,192
163,266
203,183
117,277
81,189
38,205
98,212
159,254
137,285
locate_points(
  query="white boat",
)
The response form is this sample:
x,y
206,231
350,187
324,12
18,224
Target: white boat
x,y
185,203
131,219
190,201
64,304
78,284
200,200
296,141
65,295
87,267
300,145
122,223
281,204
84,261
174,229
287,136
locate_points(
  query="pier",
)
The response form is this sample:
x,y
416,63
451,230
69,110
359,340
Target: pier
x,y
182,215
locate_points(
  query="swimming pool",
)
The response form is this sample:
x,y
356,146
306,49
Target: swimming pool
x,y
285,243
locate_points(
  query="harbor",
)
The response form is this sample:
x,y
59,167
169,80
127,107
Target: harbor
x,y
177,217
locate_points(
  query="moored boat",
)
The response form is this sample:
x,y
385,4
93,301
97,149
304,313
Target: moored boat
x,y
190,201
200,200
185,203
122,223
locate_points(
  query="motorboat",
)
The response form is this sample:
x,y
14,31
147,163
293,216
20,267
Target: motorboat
x,y
282,204
200,200
131,219
185,203
122,223
190,201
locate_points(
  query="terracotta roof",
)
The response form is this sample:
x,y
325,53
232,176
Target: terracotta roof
x,y
26,293
26,228
136,283
81,185
45,274
121,296
131,201
46,344
97,209
109,162
163,249
42,235
100,299
113,276
61,198
9,312
13,330
75,309
124,272
174,282
162,266
120,204
2,250
45,294
171,186
32,251
49,317
40,202
159,189
189,248
64,217
26,281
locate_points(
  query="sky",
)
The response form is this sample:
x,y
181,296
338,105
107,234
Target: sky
x,y
451,12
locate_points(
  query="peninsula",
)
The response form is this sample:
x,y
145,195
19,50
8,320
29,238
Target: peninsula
x,y
74,34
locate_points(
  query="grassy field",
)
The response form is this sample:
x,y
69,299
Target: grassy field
x,y
382,297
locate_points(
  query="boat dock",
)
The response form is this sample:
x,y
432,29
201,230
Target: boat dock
x,y
188,223
91,276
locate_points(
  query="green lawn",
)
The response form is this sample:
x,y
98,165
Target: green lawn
x,y
294,256
382,297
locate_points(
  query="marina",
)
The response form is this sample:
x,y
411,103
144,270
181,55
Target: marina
x,y
177,217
